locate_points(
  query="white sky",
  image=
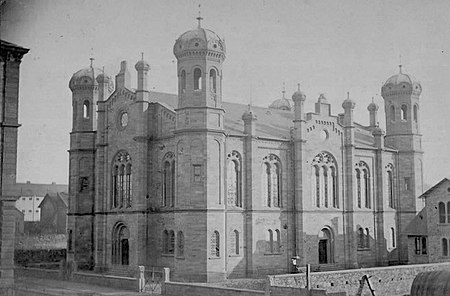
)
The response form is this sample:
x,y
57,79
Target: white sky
x,y
329,47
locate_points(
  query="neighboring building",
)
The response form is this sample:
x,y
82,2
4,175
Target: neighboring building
x,y
19,222
429,232
54,213
31,196
214,189
10,58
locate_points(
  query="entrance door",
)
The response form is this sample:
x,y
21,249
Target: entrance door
x,y
125,249
323,252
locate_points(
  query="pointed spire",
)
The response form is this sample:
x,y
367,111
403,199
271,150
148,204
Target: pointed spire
x,y
372,100
298,86
199,18
400,64
348,95
92,62
142,56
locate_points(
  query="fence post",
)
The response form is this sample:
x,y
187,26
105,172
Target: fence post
x,y
141,279
308,278
166,274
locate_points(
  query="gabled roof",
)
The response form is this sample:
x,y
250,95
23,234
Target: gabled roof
x,y
418,225
5,45
60,198
429,191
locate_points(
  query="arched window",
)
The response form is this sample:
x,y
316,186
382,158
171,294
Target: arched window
x,y
234,179
212,80
270,241
390,188
367,188
441,212
444,247
120,245
367,242
278,241
215,244
197,79
168,187
392,113
171,249
86,109
403,112
326,246
415,113
272,180
393,236
358,187
165,242
183,81
324,177
180,244
448,212
235,243
360,238
122,180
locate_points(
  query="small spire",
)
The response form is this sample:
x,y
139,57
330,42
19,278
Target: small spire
x,y
92,62
284,90
142,56
199,18
372,100
400,69
298,86
348,95
103,69
249,107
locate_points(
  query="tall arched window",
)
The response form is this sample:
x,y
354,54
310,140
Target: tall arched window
x,y
404,112
180,244
277,248
215,244
235,243
183,81
392,112
234,179
360,238
393,236
197,79
171,249
415,113
270,241
86,109
390,188
212,80
441,212
272,180
165,242
122,180
324,176
444,247
363,184
120,245
358,187
168,187
448,212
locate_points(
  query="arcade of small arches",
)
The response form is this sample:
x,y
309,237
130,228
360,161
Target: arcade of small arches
x,y
122,181
325,181
404,112
197,80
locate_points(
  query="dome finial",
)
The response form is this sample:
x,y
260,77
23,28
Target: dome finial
x,y
298,86
400,65
199,18
92,62
142,56
348,95
284,90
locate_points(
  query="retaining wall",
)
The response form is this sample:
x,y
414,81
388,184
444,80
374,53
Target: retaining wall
x,y
187,289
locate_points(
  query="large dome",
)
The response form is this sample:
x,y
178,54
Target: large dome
x,y
199,39
401,82
89,76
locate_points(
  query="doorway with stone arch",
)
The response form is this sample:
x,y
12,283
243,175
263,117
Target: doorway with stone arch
x,y
326,246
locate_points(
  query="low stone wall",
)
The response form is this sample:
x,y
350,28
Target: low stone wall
x,y
393,280
287,291
41,242
118,282
188,289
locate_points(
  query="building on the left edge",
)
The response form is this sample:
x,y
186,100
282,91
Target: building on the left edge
x,y
10,58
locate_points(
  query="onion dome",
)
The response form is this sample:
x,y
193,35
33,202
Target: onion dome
x,y
372,106
348,103
248,115
298,95
401,83
142,65
281,104
199,41
85,77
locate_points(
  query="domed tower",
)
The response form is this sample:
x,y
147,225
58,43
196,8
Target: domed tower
x,y
281,104
401,94
200,54
88,86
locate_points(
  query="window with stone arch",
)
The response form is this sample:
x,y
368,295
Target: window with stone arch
x,y
404,112
168,184
234,179
235,242
122,180
197,79
392,111
86,109
393,237
271,180
441,207
180,244
120,245
390,185
363,185
215,244
324,181
213,80
183,81
444,247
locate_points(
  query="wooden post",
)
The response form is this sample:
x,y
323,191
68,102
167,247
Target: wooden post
x,y
308,278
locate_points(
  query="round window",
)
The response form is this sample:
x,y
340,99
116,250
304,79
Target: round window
x,y
324,135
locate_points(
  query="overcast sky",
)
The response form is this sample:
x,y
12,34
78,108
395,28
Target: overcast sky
x,y
329,47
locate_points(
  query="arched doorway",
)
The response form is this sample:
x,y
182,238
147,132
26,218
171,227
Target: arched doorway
x,y
325,246
120,245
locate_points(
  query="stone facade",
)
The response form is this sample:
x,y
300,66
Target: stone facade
x,y
10,58
214,189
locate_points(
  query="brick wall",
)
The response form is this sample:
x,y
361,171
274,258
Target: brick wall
x,y
394,280
197,289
